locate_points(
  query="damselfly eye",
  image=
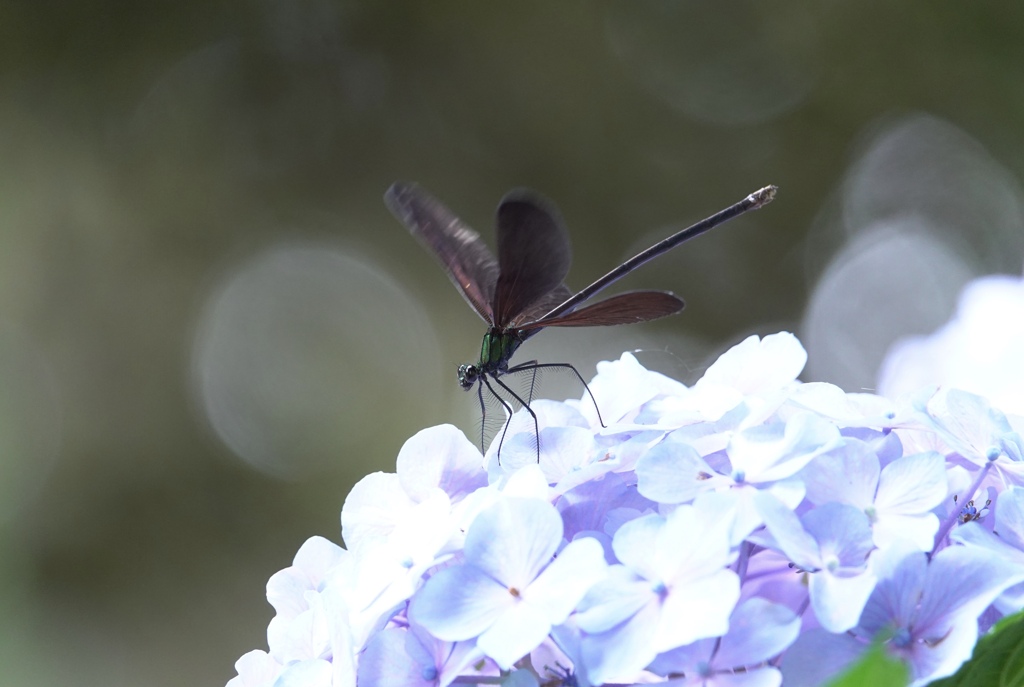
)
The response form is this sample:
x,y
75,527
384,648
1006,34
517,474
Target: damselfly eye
x,y
468,374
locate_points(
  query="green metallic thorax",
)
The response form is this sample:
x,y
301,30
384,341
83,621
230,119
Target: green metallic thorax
x,y
497,349
495,352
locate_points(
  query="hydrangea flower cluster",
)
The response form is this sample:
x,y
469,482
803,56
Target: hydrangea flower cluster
x,y
745,531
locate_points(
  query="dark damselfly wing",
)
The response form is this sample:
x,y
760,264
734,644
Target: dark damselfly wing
x,y
461,251
631,307
543,305
533,253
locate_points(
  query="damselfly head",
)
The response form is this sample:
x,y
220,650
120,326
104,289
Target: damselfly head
x,y
468,374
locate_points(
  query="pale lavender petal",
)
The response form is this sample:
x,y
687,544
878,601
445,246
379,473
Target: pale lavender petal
x,y
818,655
842,532
613,600
788,531
770,576
975,534
690,659
513,539
912,484
758,631
944,651
460,603
459,659
673,472
635,541
395,658
848,474
901,573
588,506
964,578
1010,516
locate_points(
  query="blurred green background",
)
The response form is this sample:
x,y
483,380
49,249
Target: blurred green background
x,y
210,326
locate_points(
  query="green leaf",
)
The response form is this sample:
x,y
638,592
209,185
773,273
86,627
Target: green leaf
x,y
998,659
875,669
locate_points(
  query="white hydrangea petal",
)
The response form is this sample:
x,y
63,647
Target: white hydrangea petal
x,y
920,530
690,544
561,586
344,643
371,510
286,589
623,385
847,410
565,450
771,452
440,457
527,483
307,637
758,366
617,656
515,633
758,677
255,669
838,601
724,507
310,673
710,598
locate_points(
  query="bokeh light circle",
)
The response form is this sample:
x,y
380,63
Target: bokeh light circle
x,y
892,279
305,353
923,166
